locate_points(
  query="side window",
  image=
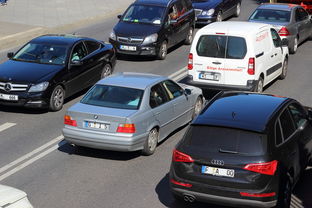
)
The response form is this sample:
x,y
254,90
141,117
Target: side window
x,y
79,52
211,46
276,38
188,4
157,96
286,124
236,48
301,14
92,46
278,133
173,90
181,6
298,114
173,13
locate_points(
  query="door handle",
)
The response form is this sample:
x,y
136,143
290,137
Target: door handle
x,y
272,56
157,113
275,54
216,62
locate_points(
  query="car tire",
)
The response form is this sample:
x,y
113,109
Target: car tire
x,y
284,69
162,52
238,10
219,17
151,142
284,195
259,87
57,98
189,37
197,107
294,47
106,71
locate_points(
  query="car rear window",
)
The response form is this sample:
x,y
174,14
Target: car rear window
x,y
220,46
114,97
270,15
219,139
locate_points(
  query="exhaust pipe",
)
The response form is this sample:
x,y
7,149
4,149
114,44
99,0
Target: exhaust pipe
x,y
189,198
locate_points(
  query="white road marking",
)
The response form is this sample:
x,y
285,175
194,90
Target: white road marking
x,y
179,74
6,126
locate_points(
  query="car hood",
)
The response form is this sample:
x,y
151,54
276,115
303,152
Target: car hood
x,y
126,29
9,195
205,4
26,72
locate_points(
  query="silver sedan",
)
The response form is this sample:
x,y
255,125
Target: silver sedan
x,y
291,21
130,112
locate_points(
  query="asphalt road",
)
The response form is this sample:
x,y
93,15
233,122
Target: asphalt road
x,y
54,174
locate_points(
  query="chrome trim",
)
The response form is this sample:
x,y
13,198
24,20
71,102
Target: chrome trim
x,y
130,40
198,12
14,87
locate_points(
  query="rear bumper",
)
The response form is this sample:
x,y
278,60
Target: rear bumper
x,y
105,141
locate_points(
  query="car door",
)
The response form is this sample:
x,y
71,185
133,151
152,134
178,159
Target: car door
x,y
303,24
180,101
162,110
226,7
174,25
183,19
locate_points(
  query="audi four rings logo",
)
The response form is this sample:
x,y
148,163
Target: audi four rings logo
x,y
217,162
7,87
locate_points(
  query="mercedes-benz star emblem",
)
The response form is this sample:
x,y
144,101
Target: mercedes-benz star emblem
x,y
95,117
8,87
129,40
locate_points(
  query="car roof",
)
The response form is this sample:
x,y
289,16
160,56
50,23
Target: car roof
x,y
132,80
163,3
243,110
59,39
278,6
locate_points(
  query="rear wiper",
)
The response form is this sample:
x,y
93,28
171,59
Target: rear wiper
x,y
228,151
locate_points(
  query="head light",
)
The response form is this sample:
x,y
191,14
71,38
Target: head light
x,y
39,87
112,35
210,12
150,39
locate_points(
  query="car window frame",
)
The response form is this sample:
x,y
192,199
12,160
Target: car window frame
x,y
164,92
166,89
302,111
272,30
94,41
281,127
72,50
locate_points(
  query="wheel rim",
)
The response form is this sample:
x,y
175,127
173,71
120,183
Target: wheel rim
x,y
219,18
190,35
163,50
58,98
198,106
106,71
285,68
260,86
295,44
152,140
238,9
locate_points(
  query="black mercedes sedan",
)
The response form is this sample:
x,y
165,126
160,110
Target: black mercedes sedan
x,y
208,11
244,150
50,68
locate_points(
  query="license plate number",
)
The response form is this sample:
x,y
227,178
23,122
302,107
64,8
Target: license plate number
x,y
128,48
210,76
8,97
96,125
218,171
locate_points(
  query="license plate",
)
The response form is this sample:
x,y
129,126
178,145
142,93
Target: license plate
x,y
96,125
128,48
8,97
210,76
218,171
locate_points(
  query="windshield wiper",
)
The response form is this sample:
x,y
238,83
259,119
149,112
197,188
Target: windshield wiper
x,y
228,151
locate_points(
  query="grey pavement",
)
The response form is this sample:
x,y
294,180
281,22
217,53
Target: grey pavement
x,y
21,20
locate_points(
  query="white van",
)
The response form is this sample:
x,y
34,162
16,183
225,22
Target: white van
x,y
236,55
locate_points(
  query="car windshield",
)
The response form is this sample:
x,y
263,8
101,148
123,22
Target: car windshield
x,y
144,14
114,97
270,15
42,53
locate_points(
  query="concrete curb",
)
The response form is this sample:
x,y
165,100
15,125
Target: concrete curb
x,y
17,39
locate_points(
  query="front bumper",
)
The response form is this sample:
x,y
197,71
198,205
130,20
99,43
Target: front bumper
x,y
31,100
204,20
250,86
106,141
144,50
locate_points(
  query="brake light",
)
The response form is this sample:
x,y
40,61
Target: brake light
x,y
257,195
251,66
181,157
126,128
69,121
190,62
181,184
283,32
268,168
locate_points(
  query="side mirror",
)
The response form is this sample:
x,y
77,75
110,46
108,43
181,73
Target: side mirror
x,y
76,63
10,55
119,16
310,114
285,42
173,22
187,91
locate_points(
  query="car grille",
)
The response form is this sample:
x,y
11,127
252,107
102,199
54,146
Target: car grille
x,y
198,12
11,87
130,40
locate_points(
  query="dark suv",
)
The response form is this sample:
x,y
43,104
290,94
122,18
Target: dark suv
x,y
245,150
150,27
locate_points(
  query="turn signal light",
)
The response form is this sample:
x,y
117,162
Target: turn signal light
x,y
181,157
268,168
190,62
181,184
126,128
69,121
283,32
257,195
251,66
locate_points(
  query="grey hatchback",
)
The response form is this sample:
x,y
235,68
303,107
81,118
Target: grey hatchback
x,y
131,111
290,20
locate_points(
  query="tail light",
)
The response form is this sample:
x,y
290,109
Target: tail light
x,y
283,32
126,128
268,168
69,121
181,184
258,195
181,157
251,66
190,62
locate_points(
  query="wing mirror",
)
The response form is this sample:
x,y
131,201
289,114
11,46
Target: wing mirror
x,y
310,114
172,22
285,42
119,16
187,91
76,63
10,55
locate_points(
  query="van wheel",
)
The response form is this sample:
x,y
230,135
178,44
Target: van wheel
x,y
284,69
284,195
57,98
219,17
238,10
162,53
151,142
259,87
106,71
189,37
294,48
197,107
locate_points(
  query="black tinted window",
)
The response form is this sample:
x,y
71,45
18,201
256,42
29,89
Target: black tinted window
x,y
236,48
79,52
92,46
301,14
215,139
287,124
276,38
270,15
278,133
298,114
173,90
157,96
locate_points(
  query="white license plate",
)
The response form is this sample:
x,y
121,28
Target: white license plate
x,y
96,125
128,48
8,97
218,171
210,76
